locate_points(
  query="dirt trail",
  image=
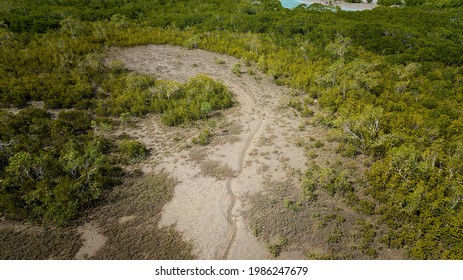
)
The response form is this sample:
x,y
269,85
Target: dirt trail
x,y
231,219
255,142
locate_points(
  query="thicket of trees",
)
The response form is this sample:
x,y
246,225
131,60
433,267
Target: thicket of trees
x,y
423,3
51,168
390,79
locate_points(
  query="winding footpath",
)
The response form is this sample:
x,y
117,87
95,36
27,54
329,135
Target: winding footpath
x,y
232,218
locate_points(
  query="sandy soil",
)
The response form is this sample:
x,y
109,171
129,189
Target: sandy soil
x,y
345,5
92,241
254,142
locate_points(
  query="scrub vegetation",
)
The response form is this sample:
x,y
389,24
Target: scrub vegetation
x,y
389,80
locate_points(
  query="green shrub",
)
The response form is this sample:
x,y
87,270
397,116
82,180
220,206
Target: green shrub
x,y
203,139
318,144
236,69
206,109
293,205
411,3
333,179
256,230
309,185
177,103
192,42
195,100
295,104
276,247
132,151
389,2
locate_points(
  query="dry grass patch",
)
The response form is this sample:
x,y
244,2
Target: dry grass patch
x,y
217,170
198,154
34,243
211,168
227,133
267,141
322,228
142,198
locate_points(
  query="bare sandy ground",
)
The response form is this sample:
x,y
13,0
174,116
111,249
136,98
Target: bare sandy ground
x,y
345,5
92,241
254,142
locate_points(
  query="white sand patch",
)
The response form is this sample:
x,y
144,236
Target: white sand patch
x,y
93,241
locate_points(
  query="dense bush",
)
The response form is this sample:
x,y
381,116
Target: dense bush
x,y
132,151
390,2
193,101
411,3
177,103
51,169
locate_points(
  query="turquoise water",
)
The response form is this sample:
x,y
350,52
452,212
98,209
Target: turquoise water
x,y
290,3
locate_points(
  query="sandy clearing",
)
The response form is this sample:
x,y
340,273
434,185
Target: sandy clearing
x,y
93,241
207,210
